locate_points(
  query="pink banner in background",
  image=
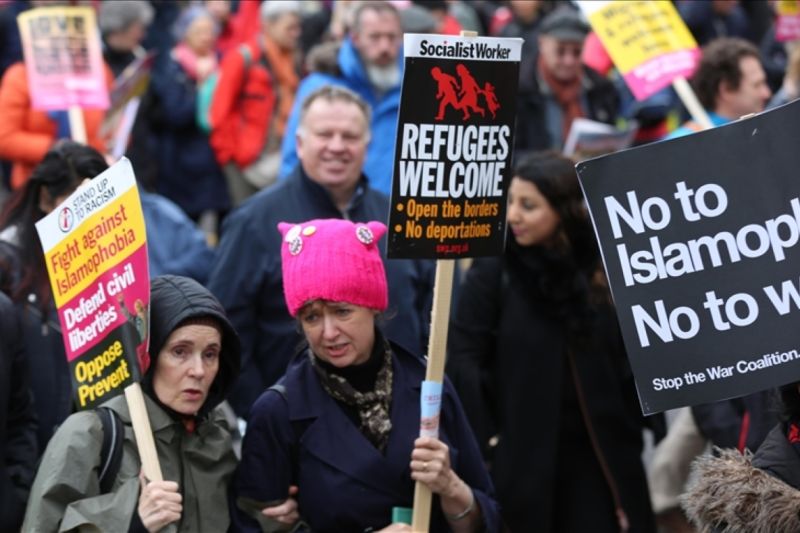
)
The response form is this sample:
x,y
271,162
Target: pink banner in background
x,y
63,58
657,73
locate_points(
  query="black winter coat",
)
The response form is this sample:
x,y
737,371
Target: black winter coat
x,y
247,279
43,345
599,96
524,376
17,421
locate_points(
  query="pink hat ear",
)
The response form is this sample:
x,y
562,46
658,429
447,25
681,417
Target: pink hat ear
x,y
284,227
378,229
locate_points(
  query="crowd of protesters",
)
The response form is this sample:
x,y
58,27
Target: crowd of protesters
x,y
298,353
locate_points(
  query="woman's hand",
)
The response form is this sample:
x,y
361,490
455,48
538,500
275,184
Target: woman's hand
x,y
285,513
430,464
159,503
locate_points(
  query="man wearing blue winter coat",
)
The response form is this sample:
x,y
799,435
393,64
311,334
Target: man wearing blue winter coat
x,y
370,63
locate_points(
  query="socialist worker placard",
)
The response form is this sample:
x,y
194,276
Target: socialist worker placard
x,y
454,146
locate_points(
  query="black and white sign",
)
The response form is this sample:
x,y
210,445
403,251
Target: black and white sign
x,y
701,242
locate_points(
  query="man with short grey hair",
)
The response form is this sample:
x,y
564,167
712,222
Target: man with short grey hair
x,y
370,63
331,143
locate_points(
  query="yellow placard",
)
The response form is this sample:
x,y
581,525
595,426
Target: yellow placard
x,y
104,240
634,32
788,7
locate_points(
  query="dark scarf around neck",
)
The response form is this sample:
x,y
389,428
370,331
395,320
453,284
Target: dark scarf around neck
x,y
372,405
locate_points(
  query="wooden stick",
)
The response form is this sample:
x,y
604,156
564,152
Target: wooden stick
x,y
691,102
144,435
437,352
77,128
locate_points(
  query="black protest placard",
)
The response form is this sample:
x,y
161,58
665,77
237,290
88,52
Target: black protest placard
x,y
701,242
454,146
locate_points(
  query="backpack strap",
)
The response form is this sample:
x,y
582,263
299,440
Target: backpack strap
x,y
111,452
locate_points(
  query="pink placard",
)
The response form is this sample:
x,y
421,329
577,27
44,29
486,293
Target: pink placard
x,y
652,76
63,58
119,295
787,28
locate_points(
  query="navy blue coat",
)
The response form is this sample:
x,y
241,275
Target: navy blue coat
x,y
43,345
188,173
344,482
247,279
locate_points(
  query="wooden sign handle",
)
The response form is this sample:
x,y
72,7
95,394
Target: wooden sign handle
x,y
691,102
437,353
144,435
77,127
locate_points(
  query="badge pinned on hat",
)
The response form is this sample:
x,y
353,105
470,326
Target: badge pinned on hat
x,y
364,235
293,233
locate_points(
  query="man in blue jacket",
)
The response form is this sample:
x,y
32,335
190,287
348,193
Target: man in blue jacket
x,y
331,144
370,63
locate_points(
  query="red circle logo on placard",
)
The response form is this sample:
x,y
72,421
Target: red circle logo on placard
x,y
65,219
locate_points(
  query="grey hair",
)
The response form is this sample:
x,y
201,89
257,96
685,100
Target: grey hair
x,y
118,16
379,6
335,93
272,10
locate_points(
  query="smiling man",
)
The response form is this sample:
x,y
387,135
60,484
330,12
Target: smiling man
x,y
331,143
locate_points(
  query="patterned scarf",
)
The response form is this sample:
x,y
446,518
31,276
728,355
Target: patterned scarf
x,y
372,406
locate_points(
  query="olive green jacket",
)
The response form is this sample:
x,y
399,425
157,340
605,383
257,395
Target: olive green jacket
x,y
66,494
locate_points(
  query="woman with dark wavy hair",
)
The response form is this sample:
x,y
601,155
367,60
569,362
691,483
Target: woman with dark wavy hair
x,y
23,274
536,356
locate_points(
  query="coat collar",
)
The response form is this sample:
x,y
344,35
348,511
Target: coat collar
x,y
333,438
163,426
320,197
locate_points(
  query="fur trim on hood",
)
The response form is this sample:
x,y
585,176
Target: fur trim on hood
x,y
727,494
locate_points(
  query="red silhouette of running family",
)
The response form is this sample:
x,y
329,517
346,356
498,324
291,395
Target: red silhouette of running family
x,y
463,96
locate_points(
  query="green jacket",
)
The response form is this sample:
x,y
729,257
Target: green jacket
x,y
66,495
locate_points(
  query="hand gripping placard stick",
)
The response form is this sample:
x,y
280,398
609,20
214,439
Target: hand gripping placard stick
x,y
437,346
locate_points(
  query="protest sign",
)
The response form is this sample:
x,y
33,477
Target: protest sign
x,y
454,142
126,95
648,42
96,254
451,172
589,138
63,58
699,237
787,23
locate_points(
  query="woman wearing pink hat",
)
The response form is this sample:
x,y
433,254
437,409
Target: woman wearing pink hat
x,y
335,444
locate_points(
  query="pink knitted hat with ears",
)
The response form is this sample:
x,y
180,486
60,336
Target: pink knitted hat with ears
x,y
335,260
